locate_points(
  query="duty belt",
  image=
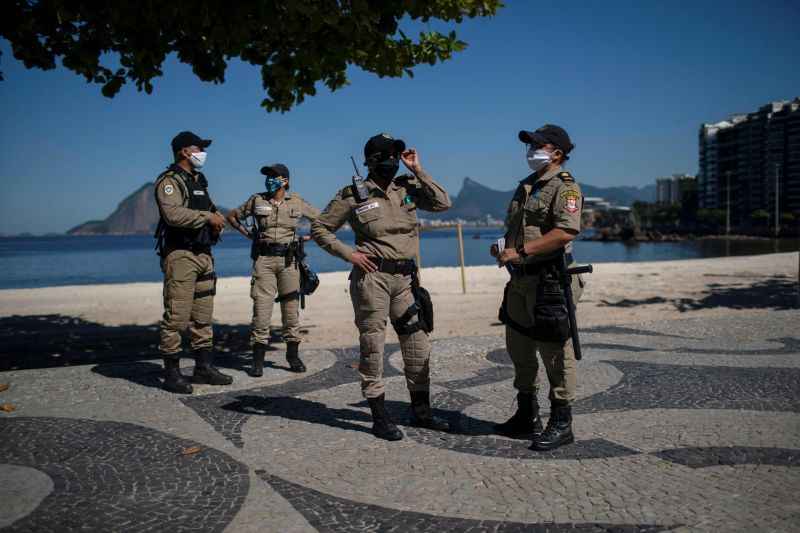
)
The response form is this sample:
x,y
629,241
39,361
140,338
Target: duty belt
x,y
534,269
273,249
395,266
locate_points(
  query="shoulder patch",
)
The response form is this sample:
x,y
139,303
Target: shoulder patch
x,y
571,200
169,189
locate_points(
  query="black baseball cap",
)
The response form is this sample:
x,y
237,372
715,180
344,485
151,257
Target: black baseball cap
x,y
276,169
187,138
383,144
548,134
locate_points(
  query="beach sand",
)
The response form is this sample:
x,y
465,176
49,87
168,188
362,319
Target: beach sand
x,y
616,293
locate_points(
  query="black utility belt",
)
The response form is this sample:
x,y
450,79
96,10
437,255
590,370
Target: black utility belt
x,y
534,269
405,267
273,249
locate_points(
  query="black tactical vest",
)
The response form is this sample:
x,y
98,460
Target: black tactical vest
x,y
198,240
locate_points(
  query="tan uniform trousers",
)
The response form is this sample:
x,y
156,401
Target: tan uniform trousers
x,y
189,286
376,296
271,277
558,358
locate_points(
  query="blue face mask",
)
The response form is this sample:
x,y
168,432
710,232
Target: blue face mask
x,y
273,183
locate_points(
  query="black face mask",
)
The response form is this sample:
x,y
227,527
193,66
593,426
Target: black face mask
x,y
387,169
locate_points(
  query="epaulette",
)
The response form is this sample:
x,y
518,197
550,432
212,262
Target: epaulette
x,y
566,177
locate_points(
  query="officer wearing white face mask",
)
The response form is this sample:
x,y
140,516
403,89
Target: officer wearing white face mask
x,y
189,226
543,219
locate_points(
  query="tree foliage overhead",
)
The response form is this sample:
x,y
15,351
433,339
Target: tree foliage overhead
x,y
297,43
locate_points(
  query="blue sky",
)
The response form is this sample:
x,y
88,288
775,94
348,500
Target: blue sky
x,y
631,82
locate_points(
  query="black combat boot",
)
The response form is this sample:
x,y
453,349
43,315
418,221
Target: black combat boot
x,y
205,371
174,381
559,429
293,359
422,415
259,351
382,426
525,422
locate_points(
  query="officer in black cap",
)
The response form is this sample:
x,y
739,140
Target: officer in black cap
x,y
382,210
542,221
275,214
189,226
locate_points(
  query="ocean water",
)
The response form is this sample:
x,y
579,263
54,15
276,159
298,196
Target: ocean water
x,y
27,262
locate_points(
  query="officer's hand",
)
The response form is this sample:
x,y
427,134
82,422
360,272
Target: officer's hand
x,y
217,222
508,255
494,250
410,159
363,262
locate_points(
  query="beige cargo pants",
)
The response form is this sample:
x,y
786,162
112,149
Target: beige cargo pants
x,y
558,358
375,297
271,278
189,288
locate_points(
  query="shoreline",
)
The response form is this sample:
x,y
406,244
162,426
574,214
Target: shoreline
x,y
616,293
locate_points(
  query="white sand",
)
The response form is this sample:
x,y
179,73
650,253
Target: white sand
x,y
329,315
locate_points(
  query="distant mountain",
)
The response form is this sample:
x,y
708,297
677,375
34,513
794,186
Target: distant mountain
x,y
476,200
137,213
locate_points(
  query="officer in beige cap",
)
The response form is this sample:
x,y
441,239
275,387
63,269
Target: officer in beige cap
x,y
382,210
189,226
276,214
543,219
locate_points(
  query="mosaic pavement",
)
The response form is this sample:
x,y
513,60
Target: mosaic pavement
x,y
687,425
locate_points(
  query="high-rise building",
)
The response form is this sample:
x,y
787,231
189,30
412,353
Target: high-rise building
x,y
740,158
670,191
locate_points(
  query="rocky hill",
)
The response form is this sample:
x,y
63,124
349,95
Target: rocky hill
x,y
137,213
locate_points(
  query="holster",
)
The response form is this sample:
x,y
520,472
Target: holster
x,y
550,314
422,308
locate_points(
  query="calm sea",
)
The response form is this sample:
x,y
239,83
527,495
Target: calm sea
x,y
27,262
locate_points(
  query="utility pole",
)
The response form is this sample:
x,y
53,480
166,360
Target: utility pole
x,y
777,201
728,205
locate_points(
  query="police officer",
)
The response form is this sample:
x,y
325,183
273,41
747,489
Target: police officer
x,y
382,210
543,219
276,214
189,226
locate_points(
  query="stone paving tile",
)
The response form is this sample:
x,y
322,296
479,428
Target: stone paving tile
x,y
112,476
653,386
688,424
336,515
731,456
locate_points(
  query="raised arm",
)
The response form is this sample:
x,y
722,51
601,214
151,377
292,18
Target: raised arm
x,y
429,195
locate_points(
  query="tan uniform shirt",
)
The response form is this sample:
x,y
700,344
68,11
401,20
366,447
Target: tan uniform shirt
x,y
172,197
541,205
277,223
385,224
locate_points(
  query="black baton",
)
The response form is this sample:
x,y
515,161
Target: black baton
x,y
566,282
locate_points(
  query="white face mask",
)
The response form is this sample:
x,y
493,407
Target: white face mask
x,y
537,159
198,159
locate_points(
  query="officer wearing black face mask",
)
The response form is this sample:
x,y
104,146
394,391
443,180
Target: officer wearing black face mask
x,y
383,214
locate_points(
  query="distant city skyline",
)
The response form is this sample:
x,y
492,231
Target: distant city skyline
x,y
630,81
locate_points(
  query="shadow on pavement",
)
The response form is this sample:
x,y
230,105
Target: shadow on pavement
x,y
48,341
777,293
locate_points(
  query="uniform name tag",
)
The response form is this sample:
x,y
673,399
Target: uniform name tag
x,y
199,193
367,207
263,209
